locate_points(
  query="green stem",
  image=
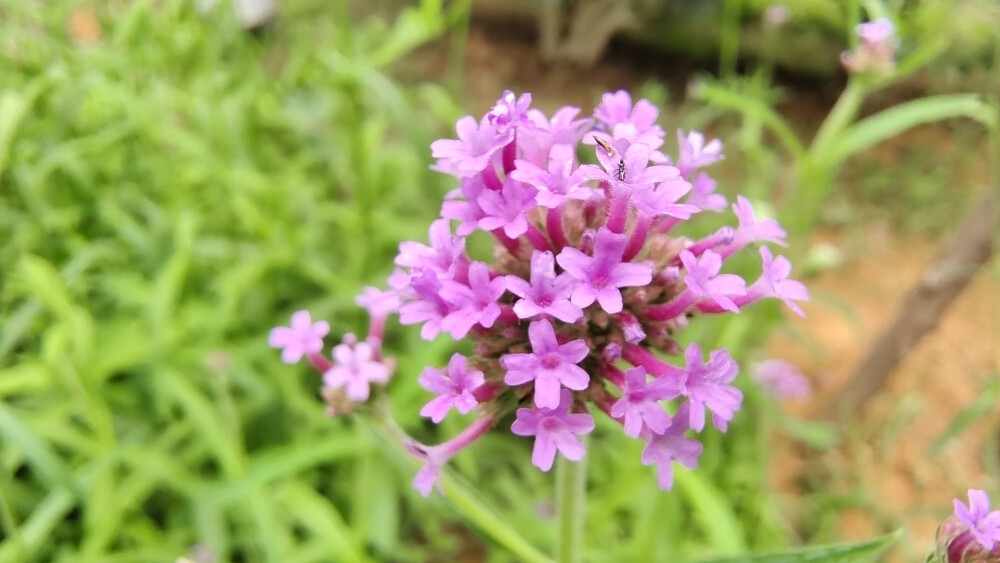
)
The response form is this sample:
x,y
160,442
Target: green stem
x,y
459,496
571,504
840,116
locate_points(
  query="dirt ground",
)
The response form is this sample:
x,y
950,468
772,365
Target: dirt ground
x,y
884,463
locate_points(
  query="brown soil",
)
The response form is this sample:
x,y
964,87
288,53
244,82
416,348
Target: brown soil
x,y
884,459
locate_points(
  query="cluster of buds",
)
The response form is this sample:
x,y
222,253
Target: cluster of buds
x,y
876,53
587,289
971,535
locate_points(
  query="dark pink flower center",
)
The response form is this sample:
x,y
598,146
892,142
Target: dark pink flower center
x,y
551,361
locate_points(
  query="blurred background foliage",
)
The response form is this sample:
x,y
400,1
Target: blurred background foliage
x,y
174,186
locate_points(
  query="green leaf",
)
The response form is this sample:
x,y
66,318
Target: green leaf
x,y
752,107
712,511
891,122
37,452
863,552
810,432
13,107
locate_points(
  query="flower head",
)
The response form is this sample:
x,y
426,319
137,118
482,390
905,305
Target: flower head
x,y
586,292
303,337
877,51
983,523
355,368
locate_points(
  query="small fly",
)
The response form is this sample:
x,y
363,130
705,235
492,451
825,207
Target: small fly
x,y
621,170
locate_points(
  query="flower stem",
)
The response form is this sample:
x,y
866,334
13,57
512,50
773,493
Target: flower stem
x,y
571,503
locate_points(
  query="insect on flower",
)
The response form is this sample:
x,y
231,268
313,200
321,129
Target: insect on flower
x,y
605,145
578,310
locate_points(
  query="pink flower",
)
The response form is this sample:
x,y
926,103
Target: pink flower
x,y
707,385
695,154
547,294
774,282
378,303
781,379
554,429
639,405
561,181
454,388
303,337
474,303
471,153
671,445
704,280
982,522
549,365
602,275
355,369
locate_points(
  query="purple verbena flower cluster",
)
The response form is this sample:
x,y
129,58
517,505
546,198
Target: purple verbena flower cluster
x,y
876,53
972,534
588,286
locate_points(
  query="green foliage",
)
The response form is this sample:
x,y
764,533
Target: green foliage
x,y
167,196
847,553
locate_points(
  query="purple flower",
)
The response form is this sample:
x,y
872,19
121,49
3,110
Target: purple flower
x,y
707,385
598,279
378,303
562,129
547,294
751,229
669,446
454,388
557,184
877,51
628,167
774,282
635,124
781,379
554,429
446,251
549,364
639,404
694,153
303,337
355,369
435,457
602,274
475,303
704,280
427,306
662,199
467,210
876,32
984,524
506,208
509,111
471,153
703,194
